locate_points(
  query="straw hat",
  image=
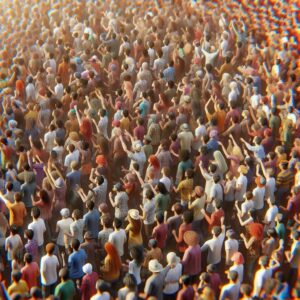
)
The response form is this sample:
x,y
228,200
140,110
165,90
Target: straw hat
x,y
243,169
154,266
172,258
134,214
185,126
191,238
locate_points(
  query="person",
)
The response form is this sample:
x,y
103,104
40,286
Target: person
x,y
129,286
49,265
160,231
155,283
232,289
187,291
171,286
135,265
30,272
191,261
18,286
118,237
87,288
102,291
110,271
76,260
214,245
66,289
134,228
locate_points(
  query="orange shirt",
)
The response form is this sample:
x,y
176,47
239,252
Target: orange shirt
x,y
63,72
17,213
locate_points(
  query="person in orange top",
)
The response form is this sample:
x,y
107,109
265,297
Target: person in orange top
x,y
17,210
63,71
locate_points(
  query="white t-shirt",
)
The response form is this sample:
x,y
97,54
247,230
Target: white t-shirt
x,y
172,280
102,125
270,216
240,270
214,247
259,280
247,206
270,188
12,243
64,227
49,266
255,100
231,246
118,239
38,227
230,291
149,209
104,296
135,270
59,90
74,156
216,192
139,158
49,139
167,182
30,92
241,182
258,197
76,229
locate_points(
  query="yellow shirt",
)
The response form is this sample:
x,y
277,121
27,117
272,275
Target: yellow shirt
x,y
18,288
186,188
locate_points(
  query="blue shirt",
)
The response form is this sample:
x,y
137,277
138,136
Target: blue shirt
x,y
91,222
144,107
169,74
75,263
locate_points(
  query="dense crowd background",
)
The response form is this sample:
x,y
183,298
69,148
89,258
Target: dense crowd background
x,y
149,149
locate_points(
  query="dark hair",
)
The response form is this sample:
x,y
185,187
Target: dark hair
x,y
35,212
129,281
64,274
137,253
90,204
16,276
160,217
29,233
101,285
28,258
118,223
187,216
75,244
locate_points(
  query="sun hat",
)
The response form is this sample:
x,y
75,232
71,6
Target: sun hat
x,y
172,258
87,268
191,238
134,214
154,266
65,212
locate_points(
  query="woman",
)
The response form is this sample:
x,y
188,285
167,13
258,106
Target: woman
x,y
171,286
253,245
135,265
134,228
153,170
110,271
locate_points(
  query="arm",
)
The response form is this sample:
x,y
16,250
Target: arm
x,y
78,116
248,243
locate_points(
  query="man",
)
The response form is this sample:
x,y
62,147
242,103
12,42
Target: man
x,y
76,260
155,283
30,272
91,219
187,290
185,138
18,286
118,237
49,266
38,227
120,201
102,291
66,289
89,246
215,244
232,289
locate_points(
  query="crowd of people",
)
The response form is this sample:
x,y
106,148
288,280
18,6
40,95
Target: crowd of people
x,y
150,149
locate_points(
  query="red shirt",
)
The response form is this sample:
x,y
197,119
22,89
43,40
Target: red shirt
x,y
30,273
215,218
186,294
88,286
160,233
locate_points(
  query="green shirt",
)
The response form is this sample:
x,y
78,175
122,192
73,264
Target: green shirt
x,y
161,203
65,290
280,229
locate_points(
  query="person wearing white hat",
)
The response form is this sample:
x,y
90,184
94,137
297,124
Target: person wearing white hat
x,y
134,228
172,278
155,283
186,138
63,229
88,283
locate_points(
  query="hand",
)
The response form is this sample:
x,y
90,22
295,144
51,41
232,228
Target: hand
x,y
203,211
242,235
110,194
174,232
